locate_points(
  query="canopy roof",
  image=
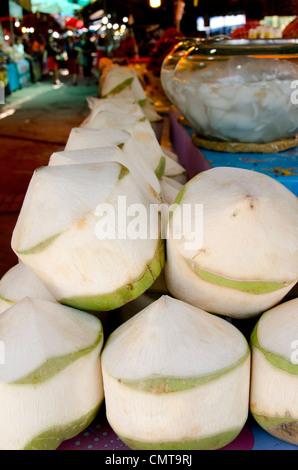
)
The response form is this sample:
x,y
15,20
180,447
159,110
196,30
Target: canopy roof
x,y
64,7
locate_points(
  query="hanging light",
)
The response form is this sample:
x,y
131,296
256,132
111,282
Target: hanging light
x,y
155,3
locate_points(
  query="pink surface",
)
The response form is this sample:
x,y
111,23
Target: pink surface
x,y
100,436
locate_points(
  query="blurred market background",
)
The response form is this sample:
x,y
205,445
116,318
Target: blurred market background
x,y
45,78
120,28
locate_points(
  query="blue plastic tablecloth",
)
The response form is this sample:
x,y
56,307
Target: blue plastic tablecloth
x,y
282,166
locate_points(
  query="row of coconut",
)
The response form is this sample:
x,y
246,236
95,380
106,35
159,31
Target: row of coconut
x,y
109,220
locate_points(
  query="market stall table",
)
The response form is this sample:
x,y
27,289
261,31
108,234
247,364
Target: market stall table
x,y
282,166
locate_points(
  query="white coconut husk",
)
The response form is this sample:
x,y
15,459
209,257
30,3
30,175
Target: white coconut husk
x,y
124,82
176,377
140,145
19,282
64,234
50,381
274,383
244,258
139,168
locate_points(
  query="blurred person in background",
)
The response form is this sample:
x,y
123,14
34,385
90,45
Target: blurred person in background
x,y
87,52
21,48
51,54
38,45
37,53
72,51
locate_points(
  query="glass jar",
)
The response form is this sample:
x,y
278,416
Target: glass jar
x,y
169,64
240,90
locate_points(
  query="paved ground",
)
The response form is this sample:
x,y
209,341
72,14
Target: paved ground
x,y
34,123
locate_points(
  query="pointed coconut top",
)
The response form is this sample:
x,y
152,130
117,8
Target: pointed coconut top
x,y
138,167
19,282
112,120
122,82
141,145
60,196
85,138
116,106
172,339
126,105
250,225
36,332
277,333
90,155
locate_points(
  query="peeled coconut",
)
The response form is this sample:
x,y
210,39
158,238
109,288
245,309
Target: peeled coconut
x,y
119,106
123,82
176,377
139,168
232,243
50,376
139,129
85,138
274,385
83,230
110,119
128,106
142,146
19,282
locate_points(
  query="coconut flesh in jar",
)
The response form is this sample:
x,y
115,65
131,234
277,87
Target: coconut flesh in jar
x,y
240,100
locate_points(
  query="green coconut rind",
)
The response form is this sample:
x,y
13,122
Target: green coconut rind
x,y
207,443
252,287
124,294
118,88
52,438
48,242
40,247
55,365
283,428
159,385
178,200
274,359
8,301
160,169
